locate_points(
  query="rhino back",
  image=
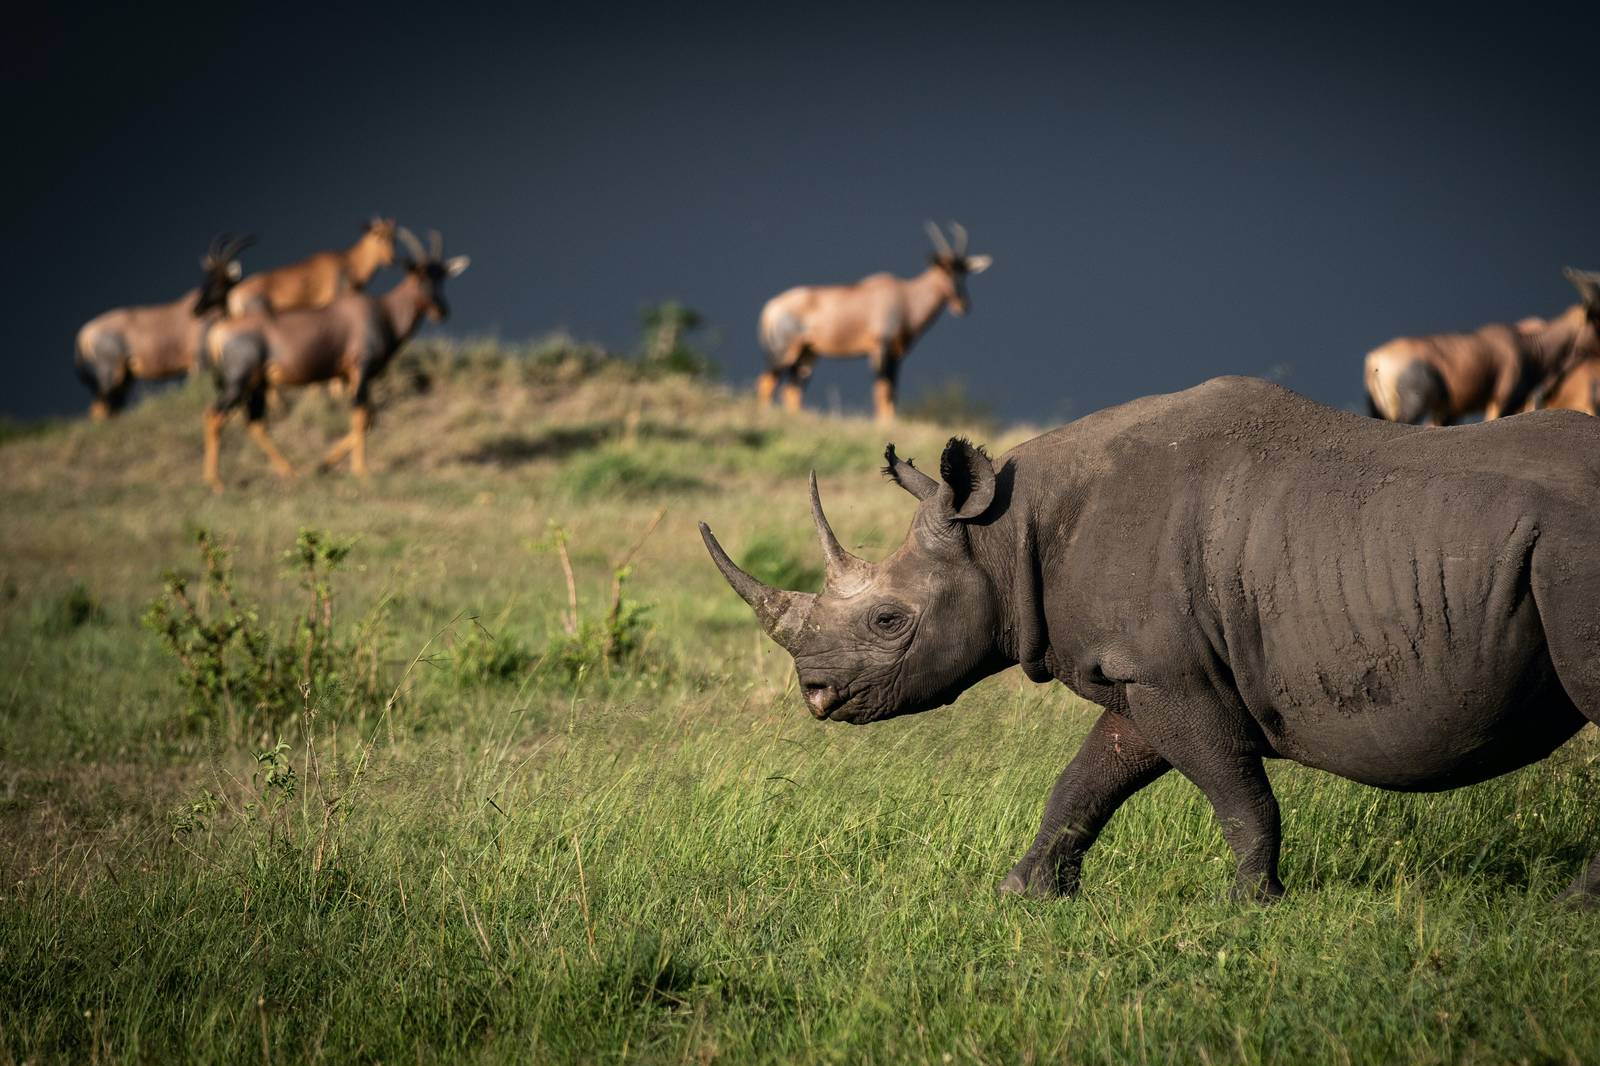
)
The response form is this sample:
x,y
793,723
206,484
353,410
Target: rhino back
x,y
1361,588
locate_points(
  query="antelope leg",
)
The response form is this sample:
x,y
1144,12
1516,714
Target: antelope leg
x,y
280,465
360,419
213,421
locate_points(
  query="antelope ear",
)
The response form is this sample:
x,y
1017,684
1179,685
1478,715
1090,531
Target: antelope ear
x,y
968,485
977,264
457,265
235,271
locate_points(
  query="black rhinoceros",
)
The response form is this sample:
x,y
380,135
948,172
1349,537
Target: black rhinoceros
x,y
1234,573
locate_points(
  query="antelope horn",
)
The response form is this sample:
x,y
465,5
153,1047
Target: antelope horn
x,y
1587,282
411,243
780,613
436,246
940,245
237,245
959,232
846,573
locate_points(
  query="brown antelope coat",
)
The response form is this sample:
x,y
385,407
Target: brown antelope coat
x,y
318,280
1495,369
1578,389
351,340
1576,386
880,317
156,342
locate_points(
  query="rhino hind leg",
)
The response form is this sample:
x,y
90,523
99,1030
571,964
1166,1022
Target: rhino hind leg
x,y
1566,589
1584,891
1203,741
1114,762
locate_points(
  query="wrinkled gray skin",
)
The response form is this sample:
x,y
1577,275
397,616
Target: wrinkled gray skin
x,y
1234,573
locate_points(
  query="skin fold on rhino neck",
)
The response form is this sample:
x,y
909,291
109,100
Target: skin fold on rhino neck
x,y
1005,544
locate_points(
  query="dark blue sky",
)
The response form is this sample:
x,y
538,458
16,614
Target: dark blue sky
x,y
1169,194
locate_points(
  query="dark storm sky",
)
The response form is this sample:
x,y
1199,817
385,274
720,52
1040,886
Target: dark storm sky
x,y
1168,194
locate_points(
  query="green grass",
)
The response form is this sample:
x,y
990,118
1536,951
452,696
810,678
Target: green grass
x,y
661,858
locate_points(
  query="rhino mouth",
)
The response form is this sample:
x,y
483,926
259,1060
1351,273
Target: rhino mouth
x,y
848,712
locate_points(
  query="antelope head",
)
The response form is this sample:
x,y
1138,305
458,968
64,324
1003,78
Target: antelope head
x,y
428,268
221,271
1587,282
950,256
377,234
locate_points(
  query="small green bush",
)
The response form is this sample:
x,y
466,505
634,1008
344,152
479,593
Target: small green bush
x,y
793,455
15,429
587,646
616,471
951,403
72,610
480,657
233,668
666,345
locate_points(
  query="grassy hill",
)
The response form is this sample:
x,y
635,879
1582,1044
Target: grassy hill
x,y
369,791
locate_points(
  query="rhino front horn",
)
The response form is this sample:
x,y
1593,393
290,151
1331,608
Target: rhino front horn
x,y
780,612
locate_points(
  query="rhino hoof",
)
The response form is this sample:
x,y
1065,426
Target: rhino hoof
x,y
1031,887
1262,892
1578,901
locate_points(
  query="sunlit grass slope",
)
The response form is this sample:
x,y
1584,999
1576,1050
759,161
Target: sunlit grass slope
x,y
410,808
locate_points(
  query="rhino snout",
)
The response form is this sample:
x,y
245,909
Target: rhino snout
x,y
822,698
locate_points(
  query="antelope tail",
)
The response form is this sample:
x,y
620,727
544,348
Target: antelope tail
x,y
778,332
81,366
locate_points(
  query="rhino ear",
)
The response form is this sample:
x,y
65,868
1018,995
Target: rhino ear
x,y
908,477
968,487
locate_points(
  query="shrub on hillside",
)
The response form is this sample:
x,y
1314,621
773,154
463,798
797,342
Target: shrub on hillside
x,y
768,557
629,473
231,665
72,610
951,403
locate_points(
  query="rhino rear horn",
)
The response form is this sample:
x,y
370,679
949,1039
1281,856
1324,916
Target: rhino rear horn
x,y
846,573
908,477
780,612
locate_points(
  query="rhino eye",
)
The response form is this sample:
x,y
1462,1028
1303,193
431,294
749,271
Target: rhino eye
x,y
889,621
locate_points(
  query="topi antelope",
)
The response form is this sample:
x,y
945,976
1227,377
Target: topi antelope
x,y
880,316
1578,389
1495,369
351,340
318,280
1575,386
157,342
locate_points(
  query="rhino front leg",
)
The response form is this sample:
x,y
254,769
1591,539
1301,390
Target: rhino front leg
x,y
1212,745
1114,762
